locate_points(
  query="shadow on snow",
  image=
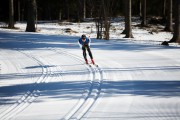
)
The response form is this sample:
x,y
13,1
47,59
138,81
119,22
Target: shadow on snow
x,y
24,40
145,88
74,89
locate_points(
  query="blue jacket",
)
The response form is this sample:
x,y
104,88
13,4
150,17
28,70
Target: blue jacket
x,y
87,42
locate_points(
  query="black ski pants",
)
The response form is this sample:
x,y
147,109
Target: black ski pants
x,y
84,48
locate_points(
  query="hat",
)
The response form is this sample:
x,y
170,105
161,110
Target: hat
x,y
83,36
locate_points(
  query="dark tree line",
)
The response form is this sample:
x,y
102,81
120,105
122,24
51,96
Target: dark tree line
x,y
101,10
71,9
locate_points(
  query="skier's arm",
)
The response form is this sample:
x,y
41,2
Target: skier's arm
x,y
80,45
89,42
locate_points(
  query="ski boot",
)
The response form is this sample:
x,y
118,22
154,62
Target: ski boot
x,y
86,61
92,61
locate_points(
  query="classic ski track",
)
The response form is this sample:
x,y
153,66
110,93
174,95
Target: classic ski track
x,y
90,96
10,64
30,95
93,95
85,103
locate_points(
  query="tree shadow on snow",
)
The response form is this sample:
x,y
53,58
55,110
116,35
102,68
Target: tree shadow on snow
x,y
74,89
56,90
142,87
24,40
147,87
66,87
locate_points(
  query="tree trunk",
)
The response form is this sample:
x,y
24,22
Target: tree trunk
x,y
176,35
164,8
125,15
128,20
19,11
22,10
106,32
98,27
60,14
143,23
11,14
84,9
140,9
168,26
106,10
67,9
78,18
99,17
49,12
31,16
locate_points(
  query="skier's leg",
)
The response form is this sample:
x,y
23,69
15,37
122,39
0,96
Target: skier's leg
x,y
84,54
90,54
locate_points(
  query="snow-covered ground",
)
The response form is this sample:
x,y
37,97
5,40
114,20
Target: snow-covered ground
x,y
43,75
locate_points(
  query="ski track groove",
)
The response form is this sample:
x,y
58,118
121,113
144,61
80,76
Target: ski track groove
x,y
11,64
30,95
90,96
87,100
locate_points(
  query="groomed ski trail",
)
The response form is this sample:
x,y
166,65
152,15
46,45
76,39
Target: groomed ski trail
x,y
30,95
90,95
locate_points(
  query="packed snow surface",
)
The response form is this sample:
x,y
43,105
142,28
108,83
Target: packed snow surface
x,y
44,76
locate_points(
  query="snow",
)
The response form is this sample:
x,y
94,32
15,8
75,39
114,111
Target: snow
x,y
43,75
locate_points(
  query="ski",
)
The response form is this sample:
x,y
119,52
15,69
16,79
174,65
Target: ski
x,y
96,65
90,65
93,65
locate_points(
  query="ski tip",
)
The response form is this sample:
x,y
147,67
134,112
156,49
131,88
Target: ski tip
x,y
96,65
89,65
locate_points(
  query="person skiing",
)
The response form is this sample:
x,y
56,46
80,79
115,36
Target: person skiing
x,y
84,43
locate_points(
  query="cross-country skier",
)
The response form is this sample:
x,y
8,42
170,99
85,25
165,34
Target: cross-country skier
x,y
84,43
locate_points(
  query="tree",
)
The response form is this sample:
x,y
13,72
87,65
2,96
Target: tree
x,y
140,9
168,26
176,34
67,9
108,6
19,10
22,11
164,9
98,8
124,13
104,12
11,14
143,23
128,20
84,9
32,14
